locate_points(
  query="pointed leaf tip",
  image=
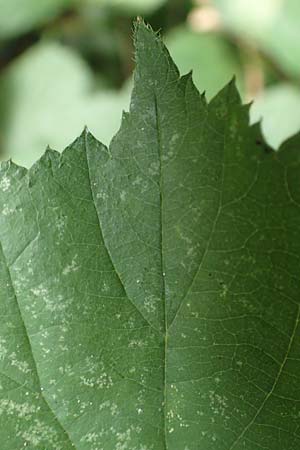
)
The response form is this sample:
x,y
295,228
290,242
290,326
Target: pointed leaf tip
x,y
142,32
229,93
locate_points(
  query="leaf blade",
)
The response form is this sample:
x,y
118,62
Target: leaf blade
x,y
96,245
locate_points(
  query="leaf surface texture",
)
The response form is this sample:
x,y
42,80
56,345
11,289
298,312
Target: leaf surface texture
x,y
150,291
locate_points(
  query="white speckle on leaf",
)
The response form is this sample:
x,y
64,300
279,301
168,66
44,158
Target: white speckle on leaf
x,y
5,183
91,438
102,195
105,287
11,408
72,267
3,349
60,226
150,303
38,433
22,366
52,303
123,195
137,181
134,343
224,291
101,379
154,168
218,403
6,211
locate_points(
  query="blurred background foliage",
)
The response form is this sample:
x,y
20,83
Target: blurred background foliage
x,y
65,64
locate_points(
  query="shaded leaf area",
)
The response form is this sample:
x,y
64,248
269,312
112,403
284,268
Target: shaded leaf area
x,y
150,291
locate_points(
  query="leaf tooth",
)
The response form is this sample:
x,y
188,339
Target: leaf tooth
x,y
229,94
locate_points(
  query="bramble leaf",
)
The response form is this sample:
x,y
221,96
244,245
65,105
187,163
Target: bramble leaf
x,y
150,291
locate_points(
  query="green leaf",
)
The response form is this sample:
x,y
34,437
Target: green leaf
x,y
21,16
272,24
213,61
279,109
50,93
131,6
150,291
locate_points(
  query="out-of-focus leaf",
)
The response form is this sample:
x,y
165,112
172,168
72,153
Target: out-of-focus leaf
x,y
19,16
272,24
279,109
132,6
212,60
50,97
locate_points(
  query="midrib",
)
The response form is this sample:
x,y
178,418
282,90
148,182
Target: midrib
x,y
163,269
